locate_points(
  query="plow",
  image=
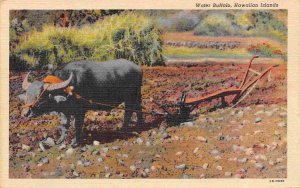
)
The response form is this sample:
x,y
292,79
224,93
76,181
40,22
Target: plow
x,y
228,97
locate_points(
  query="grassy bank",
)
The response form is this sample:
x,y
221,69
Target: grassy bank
x,y
191,53
128,35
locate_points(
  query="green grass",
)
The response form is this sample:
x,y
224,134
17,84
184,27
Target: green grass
x,y
128,35
192,53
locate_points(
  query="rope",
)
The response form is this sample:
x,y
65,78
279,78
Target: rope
x,y
117,107
37,99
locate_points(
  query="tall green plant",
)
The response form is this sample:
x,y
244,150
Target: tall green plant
x,y
128,35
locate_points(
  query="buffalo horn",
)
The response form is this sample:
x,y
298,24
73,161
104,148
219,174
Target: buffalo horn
x,y
25,83
59,85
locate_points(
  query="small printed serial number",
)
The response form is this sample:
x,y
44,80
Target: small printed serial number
x,y
273,181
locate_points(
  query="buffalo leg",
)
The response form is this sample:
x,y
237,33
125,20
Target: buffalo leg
x,y
127,117
79,120
65,124
138,108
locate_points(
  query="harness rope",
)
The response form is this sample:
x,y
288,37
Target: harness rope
x,y
77,96
36,100
69,90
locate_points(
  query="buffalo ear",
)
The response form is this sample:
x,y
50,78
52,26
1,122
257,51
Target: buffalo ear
x,y
59,98
22,97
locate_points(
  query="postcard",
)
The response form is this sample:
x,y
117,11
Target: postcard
x,y
152,94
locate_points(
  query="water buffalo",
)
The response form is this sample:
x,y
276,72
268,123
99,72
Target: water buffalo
x,y
110,82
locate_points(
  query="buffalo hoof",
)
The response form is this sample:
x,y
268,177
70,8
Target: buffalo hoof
x,y
125,129
62,136
140,123
74,143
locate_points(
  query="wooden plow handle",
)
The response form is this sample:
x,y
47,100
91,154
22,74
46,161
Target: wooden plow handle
x,y
246,74
232,91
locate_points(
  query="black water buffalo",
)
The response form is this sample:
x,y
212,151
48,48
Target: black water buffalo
x,y
111,82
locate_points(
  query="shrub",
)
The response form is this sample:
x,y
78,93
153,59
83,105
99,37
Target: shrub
x,y
185,21
16,29
264,23
265,49
245,21
130,36
215,25
179,22
21,65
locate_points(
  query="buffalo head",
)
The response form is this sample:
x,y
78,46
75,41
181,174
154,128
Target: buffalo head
x,y
40,95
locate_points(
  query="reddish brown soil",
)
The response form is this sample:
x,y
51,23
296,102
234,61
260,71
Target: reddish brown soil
x,y
248,141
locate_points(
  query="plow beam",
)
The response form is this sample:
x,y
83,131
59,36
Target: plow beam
x,y
223,93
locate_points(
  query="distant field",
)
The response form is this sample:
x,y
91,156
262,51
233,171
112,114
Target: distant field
x,y
192,53
245,41
177,53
